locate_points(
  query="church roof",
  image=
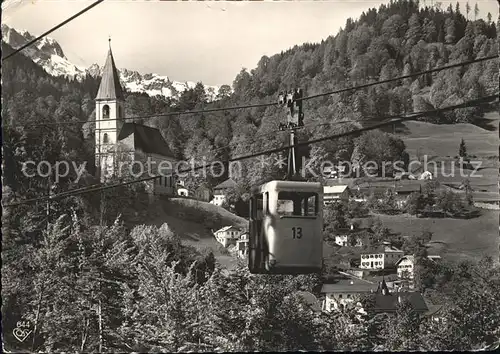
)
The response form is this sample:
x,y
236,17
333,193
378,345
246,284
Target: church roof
x,y
110,88
389,302
228,183
147,139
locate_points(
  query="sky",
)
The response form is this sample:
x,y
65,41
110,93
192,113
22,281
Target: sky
x,y
209,41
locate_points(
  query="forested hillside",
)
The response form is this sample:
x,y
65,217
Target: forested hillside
x,y
394,40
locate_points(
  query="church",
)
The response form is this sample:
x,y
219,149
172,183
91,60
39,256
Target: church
x,y
120,147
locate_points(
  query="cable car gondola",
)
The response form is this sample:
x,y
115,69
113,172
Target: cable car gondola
x,y
286,224
286,217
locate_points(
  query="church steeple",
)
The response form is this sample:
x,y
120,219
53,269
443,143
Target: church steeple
x,y
109,116
110,88
383,288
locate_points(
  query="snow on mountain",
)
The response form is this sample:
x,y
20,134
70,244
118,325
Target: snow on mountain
x,y
154,84
49,55
46,52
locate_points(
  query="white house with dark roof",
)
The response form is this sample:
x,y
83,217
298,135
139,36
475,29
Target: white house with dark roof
x,y
345,290
119,144
348,237
242,245
221,191
406,266
403,189
381,257
228,235
336,193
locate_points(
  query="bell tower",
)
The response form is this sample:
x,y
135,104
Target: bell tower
x,y
109,117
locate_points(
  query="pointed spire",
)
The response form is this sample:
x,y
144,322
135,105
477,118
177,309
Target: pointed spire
x,y
110,88
382,287
385,288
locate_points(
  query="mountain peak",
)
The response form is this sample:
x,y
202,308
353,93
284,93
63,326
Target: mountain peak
x,y
17,38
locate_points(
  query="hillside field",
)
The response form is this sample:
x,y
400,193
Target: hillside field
x,y
453,238
440,143
444,139
194,221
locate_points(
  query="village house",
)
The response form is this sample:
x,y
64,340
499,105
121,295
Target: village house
x,y
393,282
228,235
404,189
364,191
406,266
333,194
333,172
221,191
345,240
203,193
345,290
183,191
242,245
347,236
118,145
381,258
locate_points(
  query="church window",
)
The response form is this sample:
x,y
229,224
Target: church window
x,y
120,115
105,111
105,138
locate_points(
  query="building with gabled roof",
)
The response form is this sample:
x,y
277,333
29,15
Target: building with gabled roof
x,y
221,191
387,302
380,257
406,266
337,193
227,184
345,290
145,139
228,235
242,245
203,192
119,144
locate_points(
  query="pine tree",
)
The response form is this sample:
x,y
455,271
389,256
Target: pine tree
x,y
476,11
449,25
468,191
462,150
404,331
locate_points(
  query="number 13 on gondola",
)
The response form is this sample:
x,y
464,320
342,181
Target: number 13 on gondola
x,y
297,232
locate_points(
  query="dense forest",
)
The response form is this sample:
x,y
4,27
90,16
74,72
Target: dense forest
x,y
87,289
114,288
